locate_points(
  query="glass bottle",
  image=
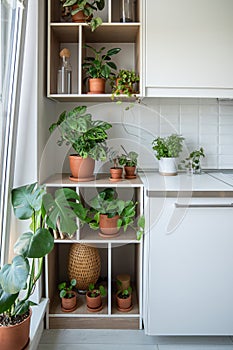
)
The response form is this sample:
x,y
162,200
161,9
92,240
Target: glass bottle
x,y
127,10
64,75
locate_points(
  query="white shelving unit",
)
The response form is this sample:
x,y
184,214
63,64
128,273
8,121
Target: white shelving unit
x,y
122,254
112,33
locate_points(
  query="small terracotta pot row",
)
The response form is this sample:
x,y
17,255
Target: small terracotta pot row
x,y
116,173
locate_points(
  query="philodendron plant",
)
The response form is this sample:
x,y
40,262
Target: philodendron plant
x,y
18,279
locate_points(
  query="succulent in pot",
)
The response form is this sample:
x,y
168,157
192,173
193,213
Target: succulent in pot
x,y
19,278
109,214
124,83
93,297
83,11
167,150
86,136
68,295
129,160
99,67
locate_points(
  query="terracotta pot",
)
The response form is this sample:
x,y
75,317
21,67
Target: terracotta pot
x,y
79,17
124,281
124,303
82,168
93,303
69,303
108,226
130,171
116,173
97,86
15,337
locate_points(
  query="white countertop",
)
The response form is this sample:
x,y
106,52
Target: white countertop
x,y
153,181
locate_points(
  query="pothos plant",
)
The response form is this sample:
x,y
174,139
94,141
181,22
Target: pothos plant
x,y
123,83
86,136
88,8
18,279
108,203
193,161
168,147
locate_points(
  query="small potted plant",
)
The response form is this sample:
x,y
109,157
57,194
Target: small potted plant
x,y
109,214
129,160
115,171
19,278
68,296
83,11
167,150
93,297
88,139
98,68
124,299
193,162
124,83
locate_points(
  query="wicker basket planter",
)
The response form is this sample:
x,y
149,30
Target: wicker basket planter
x,y
84,265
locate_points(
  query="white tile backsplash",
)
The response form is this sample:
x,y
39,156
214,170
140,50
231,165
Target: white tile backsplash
x,y
206,123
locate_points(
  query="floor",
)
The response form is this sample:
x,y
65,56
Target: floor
x,y
127,340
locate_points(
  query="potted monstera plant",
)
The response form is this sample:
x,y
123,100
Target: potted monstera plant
x,y
88,139
83,11
167,150
19,278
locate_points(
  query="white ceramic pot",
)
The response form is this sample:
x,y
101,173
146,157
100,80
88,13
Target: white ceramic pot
x,y
167,166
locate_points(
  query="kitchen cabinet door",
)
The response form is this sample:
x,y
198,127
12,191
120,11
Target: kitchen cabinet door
x,y
189,48
190,268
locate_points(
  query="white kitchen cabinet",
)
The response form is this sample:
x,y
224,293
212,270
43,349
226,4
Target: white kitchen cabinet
x,y
189,267
188,48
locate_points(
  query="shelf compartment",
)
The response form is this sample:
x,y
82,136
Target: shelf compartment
x,y
89,235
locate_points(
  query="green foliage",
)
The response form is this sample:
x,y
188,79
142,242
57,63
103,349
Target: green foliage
x,y
129,159
100,65
123,83
193,160
107,202
125,292
89,8
32,202
96,291
64,288
168,147
86,136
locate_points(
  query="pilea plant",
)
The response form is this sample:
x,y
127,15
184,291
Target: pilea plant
x,y
94,291
168,147
65,288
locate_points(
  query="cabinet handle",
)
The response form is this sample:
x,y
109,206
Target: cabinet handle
x,y
204,205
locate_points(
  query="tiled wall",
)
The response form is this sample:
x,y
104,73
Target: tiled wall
x,y
203,122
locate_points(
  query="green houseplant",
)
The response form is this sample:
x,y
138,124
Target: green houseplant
x,y
193,162
115,171
109,214
124,299
167,150
129,160
68,295
99,67
18,279
86,136
93,297
83,11
123,83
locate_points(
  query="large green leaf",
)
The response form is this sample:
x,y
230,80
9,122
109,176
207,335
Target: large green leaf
x,y
23,306
13,277
60,209
34,245
26,200
6,300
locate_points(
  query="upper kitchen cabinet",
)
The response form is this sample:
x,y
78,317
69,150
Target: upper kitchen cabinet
x,y
188,48
113,33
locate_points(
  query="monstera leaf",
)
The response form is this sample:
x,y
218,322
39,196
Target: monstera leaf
x,y
13,277
26,200
34,245
60,209
6,300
